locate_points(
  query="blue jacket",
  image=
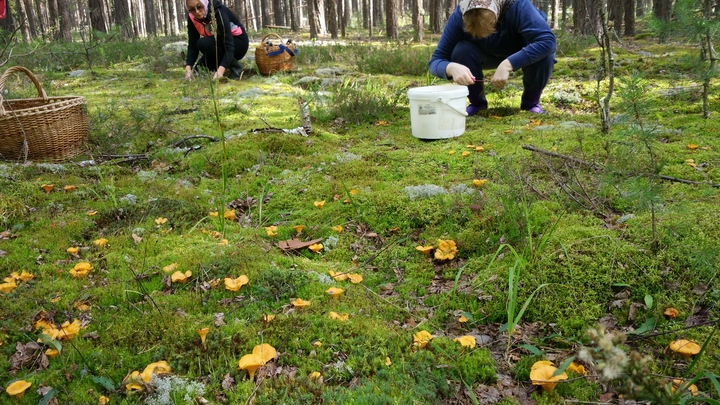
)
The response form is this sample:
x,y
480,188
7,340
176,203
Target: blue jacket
x,y
522,35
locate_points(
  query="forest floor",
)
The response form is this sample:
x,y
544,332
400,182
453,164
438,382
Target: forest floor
x,y
538,224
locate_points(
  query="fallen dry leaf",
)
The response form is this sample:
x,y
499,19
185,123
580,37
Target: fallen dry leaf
x,y
295,244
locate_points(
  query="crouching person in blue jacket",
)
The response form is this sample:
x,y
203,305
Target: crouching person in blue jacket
x,y
503,34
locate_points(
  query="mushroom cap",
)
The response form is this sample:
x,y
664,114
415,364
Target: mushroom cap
x,y
334,292
316,247
18,388
300,303
250,362
179,276
671,312
466,341
203,332
542,374
265,351
159,367
338,317
446,250
685,347
338,276
692,387
355,278
422,338
425,249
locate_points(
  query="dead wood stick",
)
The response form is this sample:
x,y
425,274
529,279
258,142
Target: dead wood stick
x,y
187,138
561,156
598,167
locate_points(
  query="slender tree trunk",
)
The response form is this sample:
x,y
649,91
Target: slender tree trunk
x,y
331,17
629,18
371,17
32,18
42,14
150,21
121,17
555,10
54,18
391,27
65,23
97,15
436,16
662,9
313,19
294,20
417,18
277,12
378,11
22,17
563,19
585,17
265,15
617,9
640,8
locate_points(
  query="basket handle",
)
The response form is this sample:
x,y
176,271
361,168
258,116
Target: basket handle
x,y
11,70
270,35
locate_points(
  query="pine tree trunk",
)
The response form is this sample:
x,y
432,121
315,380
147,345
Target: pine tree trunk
x,y
277,12
65,23
331,18
662,9
150,21
629,18
97,15
54,17
585,17
436,19
617,9
313,19
22,17
294,20
32,18
42,14
121,17
417,18
391,28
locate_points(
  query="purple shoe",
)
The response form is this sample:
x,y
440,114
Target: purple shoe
x,y
536,109
474,109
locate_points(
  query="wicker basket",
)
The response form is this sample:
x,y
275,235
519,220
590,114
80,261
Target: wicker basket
x,y
274,57
42,128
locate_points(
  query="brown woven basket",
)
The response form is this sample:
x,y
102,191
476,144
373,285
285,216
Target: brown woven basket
x,y
271,57
42,128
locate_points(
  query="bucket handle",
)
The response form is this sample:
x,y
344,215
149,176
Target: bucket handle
x,y
447,104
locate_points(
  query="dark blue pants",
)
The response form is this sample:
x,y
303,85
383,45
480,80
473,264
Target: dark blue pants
x,y
474,55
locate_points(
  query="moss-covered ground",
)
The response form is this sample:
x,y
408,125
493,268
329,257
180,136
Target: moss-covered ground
x,y
613,243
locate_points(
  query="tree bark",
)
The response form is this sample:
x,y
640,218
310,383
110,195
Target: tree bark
x,y
43,18
585,17
65,24
436,16
121,17
294,20
32,18
150,21
265,15
417,18
629,18
662,9
54,17
277,12
391,27
331,17
617,9
97,15
22,17
313,19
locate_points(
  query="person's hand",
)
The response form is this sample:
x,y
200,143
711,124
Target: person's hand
x,y
188,73
502,74
220,73
460,74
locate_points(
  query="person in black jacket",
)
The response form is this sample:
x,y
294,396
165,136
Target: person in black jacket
x,y
221,39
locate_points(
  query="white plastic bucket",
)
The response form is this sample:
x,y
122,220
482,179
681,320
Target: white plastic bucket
x,y
437,112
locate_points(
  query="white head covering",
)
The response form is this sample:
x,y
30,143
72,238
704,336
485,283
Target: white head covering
x,y
205,4
492,5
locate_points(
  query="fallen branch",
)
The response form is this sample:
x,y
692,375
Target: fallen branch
x,y
188,138
600,168
105,158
